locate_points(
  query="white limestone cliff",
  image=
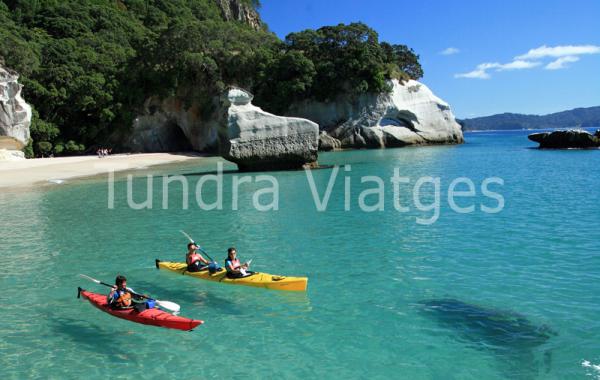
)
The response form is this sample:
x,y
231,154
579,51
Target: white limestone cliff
x,y
409,114
15,116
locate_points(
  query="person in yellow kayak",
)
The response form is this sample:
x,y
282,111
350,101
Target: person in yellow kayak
x,y
233,266
120,296
195,261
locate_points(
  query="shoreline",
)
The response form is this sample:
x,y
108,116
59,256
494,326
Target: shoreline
x,y
523,129
26,173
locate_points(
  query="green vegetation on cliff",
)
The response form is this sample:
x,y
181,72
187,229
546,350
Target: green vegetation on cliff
x,y
332,60
88,65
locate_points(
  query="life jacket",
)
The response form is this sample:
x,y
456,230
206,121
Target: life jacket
x,y
235,263
122,299
191,259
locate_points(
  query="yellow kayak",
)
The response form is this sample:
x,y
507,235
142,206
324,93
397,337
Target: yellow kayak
x,y
258,280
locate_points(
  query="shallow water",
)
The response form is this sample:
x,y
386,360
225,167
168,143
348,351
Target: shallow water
x,y
523,283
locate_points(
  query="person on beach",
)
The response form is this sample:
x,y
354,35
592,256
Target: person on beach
x,y
195,261
233,266
120,297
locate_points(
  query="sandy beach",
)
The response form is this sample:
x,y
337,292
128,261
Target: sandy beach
x,y
45,170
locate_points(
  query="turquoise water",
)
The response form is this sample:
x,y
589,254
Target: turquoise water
x,y
507,295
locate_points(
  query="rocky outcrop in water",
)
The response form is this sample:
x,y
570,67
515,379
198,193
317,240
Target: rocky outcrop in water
x,y
566,139
257,140
409,114
327,142
15,115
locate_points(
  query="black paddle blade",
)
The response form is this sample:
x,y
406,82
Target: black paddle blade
x,y
156,263
79,292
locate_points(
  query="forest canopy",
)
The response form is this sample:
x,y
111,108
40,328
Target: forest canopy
x,y
88,65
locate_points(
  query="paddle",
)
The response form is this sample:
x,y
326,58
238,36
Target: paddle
x,y
200,248
168,305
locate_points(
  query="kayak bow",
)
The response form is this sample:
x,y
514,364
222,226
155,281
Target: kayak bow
x,y
257,280
152,317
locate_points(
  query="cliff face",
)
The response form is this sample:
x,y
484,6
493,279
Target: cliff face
x,y
168,126
237,10
409,114
15,114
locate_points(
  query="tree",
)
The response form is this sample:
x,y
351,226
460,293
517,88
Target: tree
x,y
44,148
404,60
72,147
291,75
347,59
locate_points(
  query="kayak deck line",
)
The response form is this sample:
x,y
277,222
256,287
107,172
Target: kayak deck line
x,y
151,317
205,269
256,279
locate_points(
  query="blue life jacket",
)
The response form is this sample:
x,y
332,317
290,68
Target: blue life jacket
x,y
230,264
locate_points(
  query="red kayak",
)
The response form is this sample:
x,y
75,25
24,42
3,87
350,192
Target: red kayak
x,y
153,317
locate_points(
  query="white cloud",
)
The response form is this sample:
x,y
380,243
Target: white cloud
x,y
559,51
518,65
449,51
564,55
477,74
481,71
488,65
561,63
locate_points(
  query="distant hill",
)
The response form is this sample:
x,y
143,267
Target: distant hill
x,y
575,118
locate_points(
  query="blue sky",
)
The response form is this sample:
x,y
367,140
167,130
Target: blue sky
x,y
489,70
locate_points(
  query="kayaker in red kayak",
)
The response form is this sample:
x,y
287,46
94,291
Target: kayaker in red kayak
x,y
120,297
234,268
195,261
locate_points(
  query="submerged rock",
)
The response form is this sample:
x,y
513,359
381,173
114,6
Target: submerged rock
x,y
15,115
409,114
566,139
486,326
258,140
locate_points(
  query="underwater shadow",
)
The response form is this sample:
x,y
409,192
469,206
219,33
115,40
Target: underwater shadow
x,y
234,171
92,337
212,172
512,337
